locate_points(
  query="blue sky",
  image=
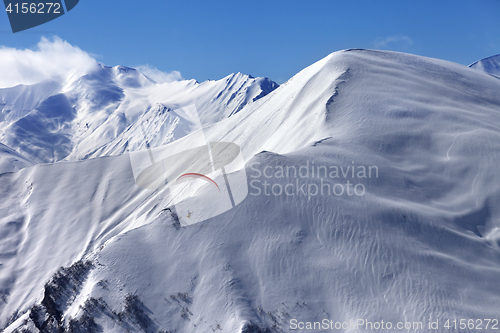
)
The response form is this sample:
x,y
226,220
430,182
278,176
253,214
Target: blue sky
x,y
273,38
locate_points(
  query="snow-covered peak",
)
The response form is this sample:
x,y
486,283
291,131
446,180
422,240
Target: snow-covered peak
x,y
237,76
349,94
131,78
489,65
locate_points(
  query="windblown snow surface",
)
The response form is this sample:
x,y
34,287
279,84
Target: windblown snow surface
x,y
83,249
489,65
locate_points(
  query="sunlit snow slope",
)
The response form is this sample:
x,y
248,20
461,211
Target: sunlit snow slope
x,y
423,241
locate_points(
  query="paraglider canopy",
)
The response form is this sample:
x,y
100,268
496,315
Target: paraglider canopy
x,y
191,161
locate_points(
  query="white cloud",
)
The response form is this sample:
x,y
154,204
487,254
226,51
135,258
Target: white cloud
x,y
157,75
51,58
381,43
57,58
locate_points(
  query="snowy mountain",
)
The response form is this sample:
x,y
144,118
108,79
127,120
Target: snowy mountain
x,y
373,194
489,65
99,113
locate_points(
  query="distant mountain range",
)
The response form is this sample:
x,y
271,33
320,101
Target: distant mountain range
x,y
97,114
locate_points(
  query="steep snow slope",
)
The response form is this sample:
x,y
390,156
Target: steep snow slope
x,y
11,161
489,65
95,114
422,242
